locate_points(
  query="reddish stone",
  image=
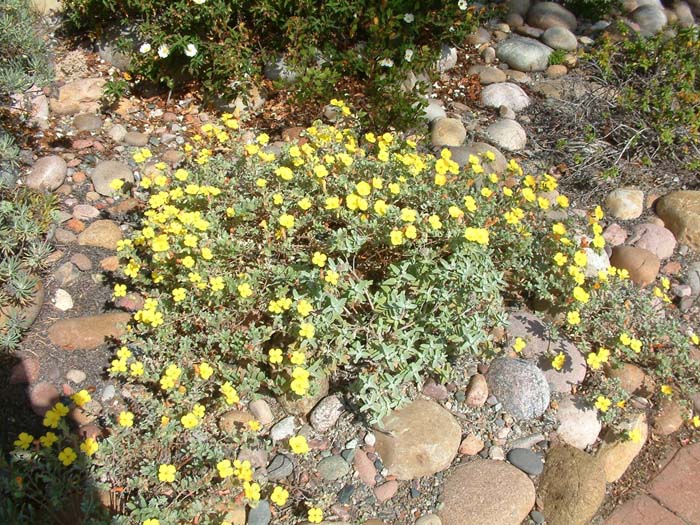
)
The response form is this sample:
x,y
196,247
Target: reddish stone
x,y
131,302
365,468
90,431
110,264
26,371
79,177
75,225
42,397
292,134
82,143
73,163
678,485
642,509
67,390
98,146
671,268
386,491
87,333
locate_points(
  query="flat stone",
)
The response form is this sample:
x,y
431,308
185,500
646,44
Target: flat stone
x,y
448,58
81,261
87,333
616,453
76,376
642,265
460,155
79,95
678,484
107,171
578,422
429,519
48,173
333,468
84,212
365,468
524,54
386,491
526,460
631,377
572,486
625,203
28,313
668,417
550,14
505,94
614,234
507,134
66,274
539,348
471,445
283,429
261,410
487,75
42,397
117,133
434,111
520,386
478,37
87,122
64,237
136,138
101,234
233,421
556,71
558,37
520,7
654,238
280,467
680,211
261,514
486,491
418,440
62,300
448,132
642,509
325,415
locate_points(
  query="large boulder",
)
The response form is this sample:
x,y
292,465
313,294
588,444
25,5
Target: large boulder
x,y
680,211
524,54
642,265
550,14
520,386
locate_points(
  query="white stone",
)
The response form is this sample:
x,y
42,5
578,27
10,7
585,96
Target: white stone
x,y
62,300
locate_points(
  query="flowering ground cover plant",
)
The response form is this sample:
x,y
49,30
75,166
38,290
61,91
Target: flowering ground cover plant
x,y
361,258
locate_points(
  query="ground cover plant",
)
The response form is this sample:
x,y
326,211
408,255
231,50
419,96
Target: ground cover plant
x,y
353,256
224,45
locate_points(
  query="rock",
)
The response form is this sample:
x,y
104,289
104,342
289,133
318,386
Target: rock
x,y
261,514
559,37
680,211
471,445
76,376
524,54
520,7
497,453
572,486
64,237
280,467
136,138
28,313
101,234
448,58
333,468
520,386
507,134
302,406
597,261
87,122
62,300
434,111
107,171
48,173
79,95
556,71
504,94
625,203
616,452
448,132
684,14
642,509
261,410
486,491
642,265
550,14
435,390
233,421
84,212
488,55
278,70
365,468
631,377
514,20
614,235
429,519
66,274
42,397
117,133
386,491
461,156
578,422
506,112
477,391
668,417
324,416
677,486
82,262
657,239
529,31
651,19
487,75
418,440
283,429
87,333
478,37
26,371
540,346
526,460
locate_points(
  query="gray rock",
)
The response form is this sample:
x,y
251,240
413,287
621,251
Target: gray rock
x,y
520,386
107,171
488,55
520,7
651,19
261,410
560,38
280,467
550,14
278,70
429,519
62,300
487,74
597,261
260,515
507,134
283,429
684,14
108,393
526,460
324,415
48,173
87,122
448,132
434,111
506,112
117,133
461,156
136,138
529,31
505,94
66,274
578,422
524,54
333,468
448,58
478,37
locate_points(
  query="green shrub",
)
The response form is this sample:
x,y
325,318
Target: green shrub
x,y
592,9
224,44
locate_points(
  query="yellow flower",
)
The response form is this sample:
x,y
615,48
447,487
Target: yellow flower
x,y
396,237
636,345
593,361
581,295
305,203
435,222
634,435
24,440
408,215
160,244
189,420
224,468
470,204
216,283
580,258
298,444
560,259
543,203
51,419
573,317
243,470
206,254
598,213
251,490
119,290
363,188
205,370
179,294
477,235
307,330
320,171
67,456
332,203
89,446
230,393
304,307
286,220
277,199
395,188
284,173
455,212
528,194
166,473
695,422
315,515
48,439
254,425
331,277
666,390
279,496
81,397
116,184
261,183
319,259
559,361
380,207
151,521
275,355
519,345
126,419
244,290
559,229
603,403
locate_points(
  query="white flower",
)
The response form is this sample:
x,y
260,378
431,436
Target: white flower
x,y
408,55
190,50
386,62
145,47
200,2
408,18
462,5
163,51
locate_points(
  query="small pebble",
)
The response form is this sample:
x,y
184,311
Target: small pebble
x,y
76,376
108,393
